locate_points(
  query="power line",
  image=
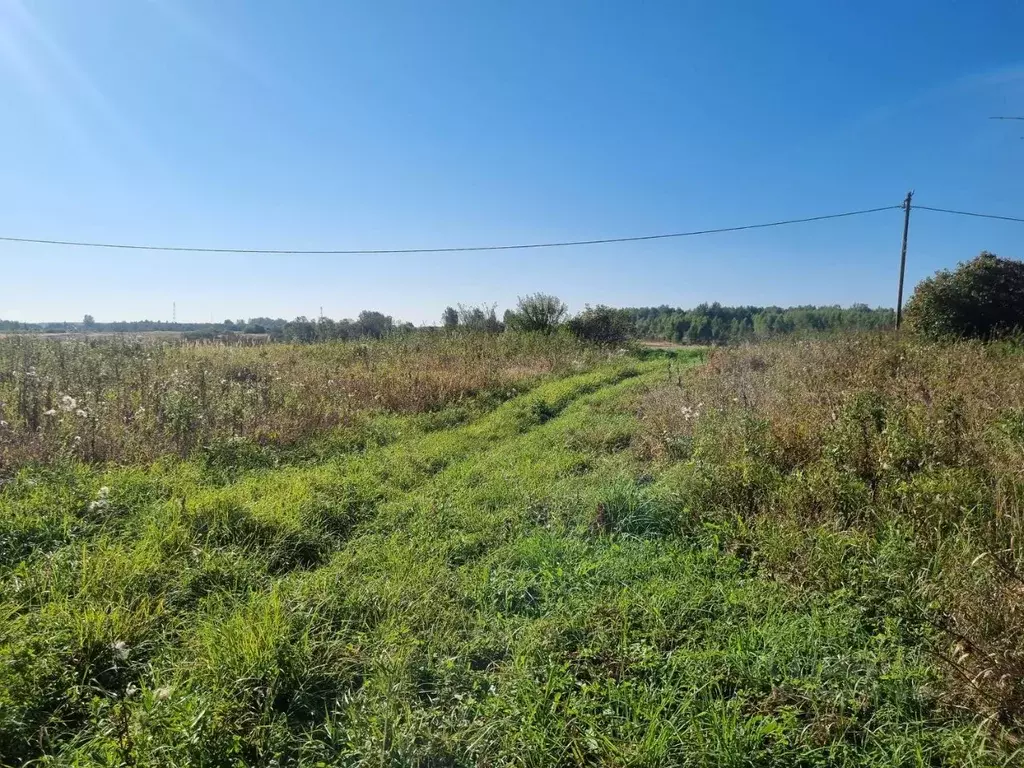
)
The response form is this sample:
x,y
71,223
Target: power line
x,y
382,251
522,246
968,213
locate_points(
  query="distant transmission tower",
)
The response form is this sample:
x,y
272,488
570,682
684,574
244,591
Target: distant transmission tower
x,y
174,311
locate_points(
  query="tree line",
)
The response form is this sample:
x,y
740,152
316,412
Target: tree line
x,y
369,324
536,313
714,323
704,324
981,298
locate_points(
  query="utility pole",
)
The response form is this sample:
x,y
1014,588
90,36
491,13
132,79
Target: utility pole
x,y
174,311
903,258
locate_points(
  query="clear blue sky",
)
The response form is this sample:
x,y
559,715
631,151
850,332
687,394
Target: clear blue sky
x,y
415,124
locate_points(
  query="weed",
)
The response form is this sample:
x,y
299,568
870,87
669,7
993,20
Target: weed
x,y
607,566
827,449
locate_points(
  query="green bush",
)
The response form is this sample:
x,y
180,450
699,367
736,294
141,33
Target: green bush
x,y
982,298
537,313
601,324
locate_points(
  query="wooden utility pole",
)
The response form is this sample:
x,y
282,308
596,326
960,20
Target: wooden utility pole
x,y
903,259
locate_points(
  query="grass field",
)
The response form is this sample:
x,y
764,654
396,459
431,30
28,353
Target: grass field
x,y
505,551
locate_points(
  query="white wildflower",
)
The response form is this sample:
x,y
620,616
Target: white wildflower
x,y
3,424
81,412
120,649
68,403
163,693
51,412
101,502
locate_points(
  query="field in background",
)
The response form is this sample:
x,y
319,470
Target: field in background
x,y
81,335
512,550
132,398
666,345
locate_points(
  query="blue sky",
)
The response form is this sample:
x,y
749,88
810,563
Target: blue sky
x,y
319,125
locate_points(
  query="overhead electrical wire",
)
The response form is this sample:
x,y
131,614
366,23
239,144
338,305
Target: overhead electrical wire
x,y
470,248
383,251
968,213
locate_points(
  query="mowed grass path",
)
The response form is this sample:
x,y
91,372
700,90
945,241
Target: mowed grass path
x,y
521,589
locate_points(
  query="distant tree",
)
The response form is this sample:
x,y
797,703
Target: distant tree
x,y
539,312
88,321
601,324
716,323
982,298
300,329
374,324
480,318
450,317
255,328
326,329
346,329
700,330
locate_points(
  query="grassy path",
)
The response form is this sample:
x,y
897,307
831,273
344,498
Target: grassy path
x,y
517,590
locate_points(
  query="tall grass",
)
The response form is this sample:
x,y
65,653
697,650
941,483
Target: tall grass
x,y
782,558
872,465
111,399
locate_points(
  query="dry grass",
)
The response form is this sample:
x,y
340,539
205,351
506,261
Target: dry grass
x,y
868,439
511,587
115,399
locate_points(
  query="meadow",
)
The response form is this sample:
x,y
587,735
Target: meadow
x,y
511,550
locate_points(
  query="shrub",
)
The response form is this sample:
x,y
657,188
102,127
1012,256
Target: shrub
x,y
480,318
539,312
981,298
601,324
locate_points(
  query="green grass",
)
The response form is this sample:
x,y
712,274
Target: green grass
x,y
506,584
